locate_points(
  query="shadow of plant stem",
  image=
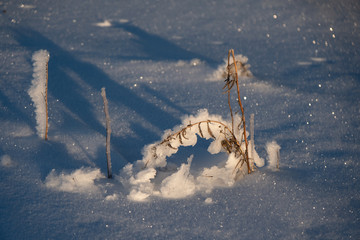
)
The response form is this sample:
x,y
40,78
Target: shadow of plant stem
x,y
229,141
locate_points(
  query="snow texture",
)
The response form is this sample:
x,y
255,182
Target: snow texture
x,y
162,63
6,161
220,74
180,184
79,181
37,91
273,151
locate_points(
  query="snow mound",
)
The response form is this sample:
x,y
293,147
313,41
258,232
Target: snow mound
x,y
79,181
143,179
105,23
180,184
273,151
112,197
6,161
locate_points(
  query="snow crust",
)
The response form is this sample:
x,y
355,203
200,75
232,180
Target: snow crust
x,y
79,181
273,151
161,61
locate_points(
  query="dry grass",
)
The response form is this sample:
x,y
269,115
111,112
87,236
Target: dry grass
x,y
230,142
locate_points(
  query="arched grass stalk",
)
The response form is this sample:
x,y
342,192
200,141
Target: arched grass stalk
x,y
224,133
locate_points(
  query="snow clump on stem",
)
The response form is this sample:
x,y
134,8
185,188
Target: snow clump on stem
x,y
38,90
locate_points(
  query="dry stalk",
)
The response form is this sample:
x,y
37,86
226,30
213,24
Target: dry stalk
x,y
252,136
46,102
242,112
230,143
108,132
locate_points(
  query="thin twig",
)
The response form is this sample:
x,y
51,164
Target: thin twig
x,y
252,141
46,102
180,134
228,92
108,132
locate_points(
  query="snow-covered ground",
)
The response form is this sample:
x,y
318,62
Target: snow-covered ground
x,y
158,61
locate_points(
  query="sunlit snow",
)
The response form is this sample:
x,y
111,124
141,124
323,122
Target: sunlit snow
x,y
162,64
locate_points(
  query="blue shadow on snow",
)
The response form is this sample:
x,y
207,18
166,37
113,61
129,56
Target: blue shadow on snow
x,y
65,70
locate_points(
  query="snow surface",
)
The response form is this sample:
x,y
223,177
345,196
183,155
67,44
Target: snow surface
x,y
159,61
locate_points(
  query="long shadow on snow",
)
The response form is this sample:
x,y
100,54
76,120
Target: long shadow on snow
x,y
11,111
130,148
54,155
157,48
64,67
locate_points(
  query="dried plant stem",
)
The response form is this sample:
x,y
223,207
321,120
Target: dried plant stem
x,y
232,141
108,132
194,124
229,142
228,92
252,131
242,111
231,112
46,102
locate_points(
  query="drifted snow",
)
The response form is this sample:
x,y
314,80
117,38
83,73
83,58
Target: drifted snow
x,y
160,61
273,151
79,181
141,178
180,184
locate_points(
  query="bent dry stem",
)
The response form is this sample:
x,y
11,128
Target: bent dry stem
x,y
229,141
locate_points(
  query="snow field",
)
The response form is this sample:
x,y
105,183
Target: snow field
x,y
160,62
140,176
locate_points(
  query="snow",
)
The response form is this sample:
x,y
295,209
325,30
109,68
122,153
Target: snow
x,y
80,180
273,151
6,161
143,177
161,63
180,184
